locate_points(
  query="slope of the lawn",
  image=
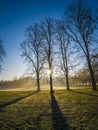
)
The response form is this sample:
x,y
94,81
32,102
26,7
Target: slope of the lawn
x,y
63,110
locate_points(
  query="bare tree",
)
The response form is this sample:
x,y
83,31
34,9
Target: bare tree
x,y
82,25
67,50
32,51
48,45
64,43
2,54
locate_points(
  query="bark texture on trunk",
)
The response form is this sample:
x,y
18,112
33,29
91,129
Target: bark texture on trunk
x,y
38,81
51,84
67,79
92,75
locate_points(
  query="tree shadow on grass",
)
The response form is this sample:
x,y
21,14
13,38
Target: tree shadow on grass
x,y
85,93
59,121
16,100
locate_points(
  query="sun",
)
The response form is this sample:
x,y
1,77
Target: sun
x,y
49,71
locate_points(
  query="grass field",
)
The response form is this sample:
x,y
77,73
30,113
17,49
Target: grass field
x,y
63,110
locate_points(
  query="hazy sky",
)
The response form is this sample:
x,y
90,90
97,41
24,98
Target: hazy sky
x,y
15,16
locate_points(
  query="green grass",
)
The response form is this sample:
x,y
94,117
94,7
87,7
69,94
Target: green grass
x,y
64,110
7,97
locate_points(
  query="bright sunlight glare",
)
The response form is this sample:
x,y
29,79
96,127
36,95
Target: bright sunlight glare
x,y
49,71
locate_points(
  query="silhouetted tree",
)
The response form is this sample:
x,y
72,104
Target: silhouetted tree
x,y
81,25
47,32
95,65
32,50
64,44
2,54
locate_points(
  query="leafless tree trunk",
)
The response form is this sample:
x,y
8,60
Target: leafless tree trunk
x,y
81,25
95,65
33,52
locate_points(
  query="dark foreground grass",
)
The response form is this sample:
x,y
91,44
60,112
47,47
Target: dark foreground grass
x,y
63,110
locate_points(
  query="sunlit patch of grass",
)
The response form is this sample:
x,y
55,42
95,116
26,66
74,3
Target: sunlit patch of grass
x,y
78,107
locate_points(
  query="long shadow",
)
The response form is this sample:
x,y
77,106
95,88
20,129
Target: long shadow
x,y
84,93
16,100
59,121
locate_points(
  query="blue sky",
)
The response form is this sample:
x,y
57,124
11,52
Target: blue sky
x,y
15,16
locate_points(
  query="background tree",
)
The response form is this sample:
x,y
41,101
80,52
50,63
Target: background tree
x,y
47,32
2,54
82,25
84,77
32,50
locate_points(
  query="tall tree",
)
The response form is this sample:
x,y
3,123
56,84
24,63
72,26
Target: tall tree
x,y
32,50
2,54
82,25
48,45
64,44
